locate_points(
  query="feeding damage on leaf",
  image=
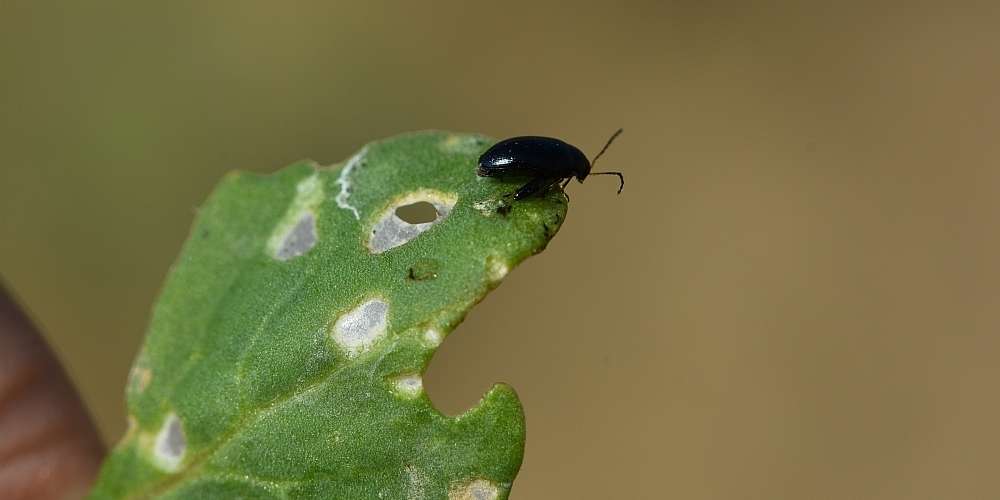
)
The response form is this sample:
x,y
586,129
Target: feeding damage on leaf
x,y
296,233
358,329
170,444
286,352
391,231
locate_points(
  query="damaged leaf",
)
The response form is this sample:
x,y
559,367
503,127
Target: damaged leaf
x,y
285,353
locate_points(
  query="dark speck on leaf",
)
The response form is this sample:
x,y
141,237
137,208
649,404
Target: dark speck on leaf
x,y
422,270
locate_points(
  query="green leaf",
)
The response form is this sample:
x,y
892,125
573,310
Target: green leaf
x,y
285,353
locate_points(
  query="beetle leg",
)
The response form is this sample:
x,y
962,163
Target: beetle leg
x,y
533,187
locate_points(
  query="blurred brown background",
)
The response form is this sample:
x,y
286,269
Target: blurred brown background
x,y
795,296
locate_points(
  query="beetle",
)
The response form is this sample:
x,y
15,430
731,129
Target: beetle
x,y
546,160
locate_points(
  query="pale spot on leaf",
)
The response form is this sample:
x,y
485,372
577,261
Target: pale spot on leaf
x,y
478,489
463,144
433,337
295,233
496,268
300,239
359,329
409,386
170,444
140,377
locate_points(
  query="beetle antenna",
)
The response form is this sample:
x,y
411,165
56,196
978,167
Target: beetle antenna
x,y
605,148
621,179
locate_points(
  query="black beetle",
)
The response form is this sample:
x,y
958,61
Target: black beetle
x,y
547,161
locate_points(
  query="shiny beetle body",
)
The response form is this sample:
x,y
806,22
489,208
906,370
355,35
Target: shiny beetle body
x,y
545,160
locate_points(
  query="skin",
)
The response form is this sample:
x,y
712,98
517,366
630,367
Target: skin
x,y
49,447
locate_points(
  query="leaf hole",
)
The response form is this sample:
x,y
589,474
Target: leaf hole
x,y
408,216
420,212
